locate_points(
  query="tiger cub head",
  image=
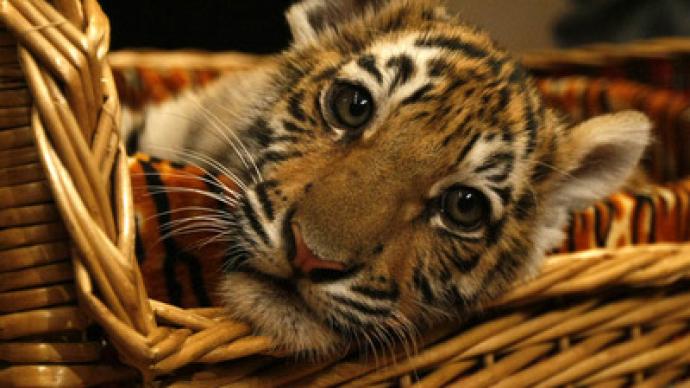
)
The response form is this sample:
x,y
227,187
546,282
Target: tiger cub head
x,y
411,172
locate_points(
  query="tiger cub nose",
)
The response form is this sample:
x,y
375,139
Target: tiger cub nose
x,y
316,268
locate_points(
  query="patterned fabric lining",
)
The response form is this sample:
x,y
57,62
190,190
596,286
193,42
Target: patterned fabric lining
x,y
580,97
661,63
182,267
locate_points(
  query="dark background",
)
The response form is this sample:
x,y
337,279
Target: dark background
x,y
259,25
247,25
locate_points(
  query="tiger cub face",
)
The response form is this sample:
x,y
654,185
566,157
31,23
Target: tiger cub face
x,y
410,171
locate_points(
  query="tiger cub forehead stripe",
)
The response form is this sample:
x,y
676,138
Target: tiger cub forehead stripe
x,y
404,68
418,96
368,63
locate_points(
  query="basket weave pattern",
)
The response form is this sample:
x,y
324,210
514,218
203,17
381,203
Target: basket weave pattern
x,y
61,55
73,125
606,317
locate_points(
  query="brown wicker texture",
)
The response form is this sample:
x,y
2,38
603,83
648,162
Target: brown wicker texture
x,y
43,334
607,55
601,317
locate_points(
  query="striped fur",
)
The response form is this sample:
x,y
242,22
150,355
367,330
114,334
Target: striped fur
x,y
451,109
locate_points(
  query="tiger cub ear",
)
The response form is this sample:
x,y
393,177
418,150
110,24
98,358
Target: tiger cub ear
x,y
598,155
308,18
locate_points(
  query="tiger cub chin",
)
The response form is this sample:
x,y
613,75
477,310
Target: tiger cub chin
x,y
396,167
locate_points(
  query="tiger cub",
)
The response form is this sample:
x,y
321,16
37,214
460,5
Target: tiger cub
x,y
395,166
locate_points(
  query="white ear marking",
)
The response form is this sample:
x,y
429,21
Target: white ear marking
x,y
298,20
309,18
603,152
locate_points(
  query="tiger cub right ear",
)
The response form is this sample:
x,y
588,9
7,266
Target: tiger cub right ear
x,y
309,18
599,155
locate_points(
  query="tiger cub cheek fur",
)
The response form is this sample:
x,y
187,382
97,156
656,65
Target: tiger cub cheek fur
x,y
454,111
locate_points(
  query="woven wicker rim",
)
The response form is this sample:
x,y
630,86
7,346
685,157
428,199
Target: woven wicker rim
x,y
75,121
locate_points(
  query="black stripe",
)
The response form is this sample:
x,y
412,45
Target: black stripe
x,y
286,139
318,19
460,129
518,75
373,293
254,222
351,322
463,264
212,185
501,176
172,252
603,100
154,184
495,160
507,135
437,67
582,102
293,72
394,20
494,232
378,249
327,73
453,44
543,169
260,132
235,257
458,82
361,307
275,157
466,48
264,200
505,193
320,275
642,200
237,254
503,99
446,275
467,148
419,95
525,205
420,116
454,297
405,69
599,237
507,264
607,229
295,106
368,63
133,141
422,284
292,127
177,164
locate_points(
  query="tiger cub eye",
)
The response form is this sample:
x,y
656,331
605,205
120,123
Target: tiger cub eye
x,y
351,105
465,207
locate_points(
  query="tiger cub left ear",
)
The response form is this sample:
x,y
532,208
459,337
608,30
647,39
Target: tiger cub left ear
x,y
308,18
598,155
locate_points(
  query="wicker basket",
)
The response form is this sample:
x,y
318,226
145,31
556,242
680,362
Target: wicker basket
x,y
75,310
